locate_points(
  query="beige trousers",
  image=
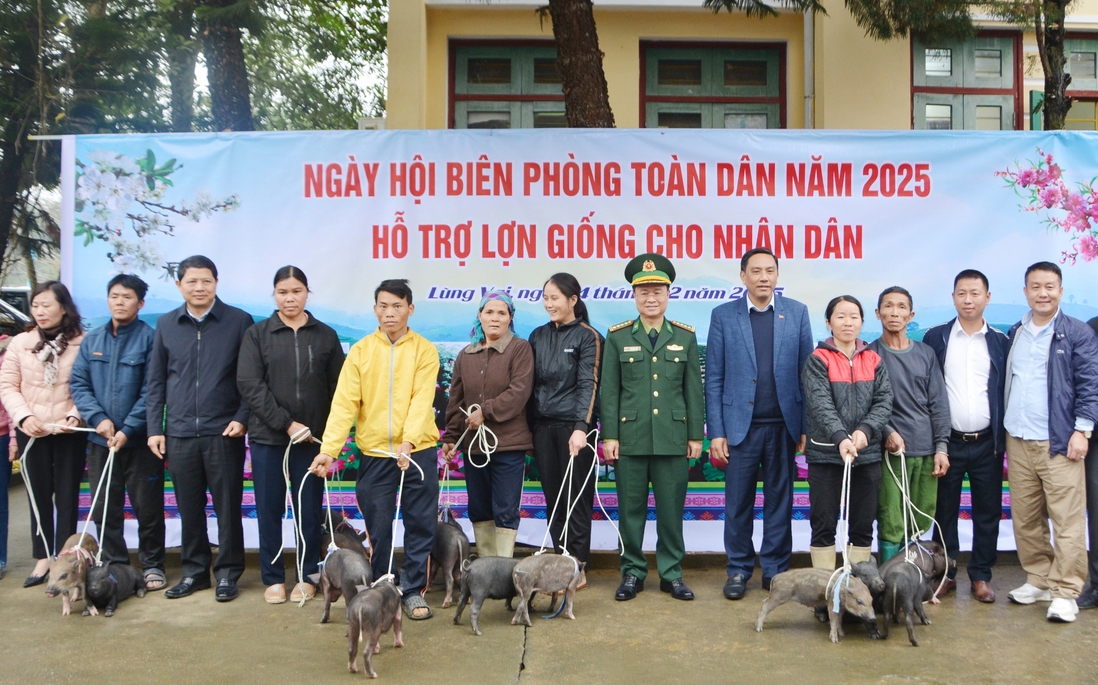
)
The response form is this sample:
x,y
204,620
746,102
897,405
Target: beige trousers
x,y
1044,487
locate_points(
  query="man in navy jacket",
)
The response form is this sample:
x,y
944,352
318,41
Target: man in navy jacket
x,y
1051,407
108,388
754,404
972,355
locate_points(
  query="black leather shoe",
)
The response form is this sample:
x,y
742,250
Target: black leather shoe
x,y
1089,598
736,587
630,586
226,590
33,580
766,584
186,587
677,588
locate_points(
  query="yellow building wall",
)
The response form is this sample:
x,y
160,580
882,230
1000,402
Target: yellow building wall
x,y
878,97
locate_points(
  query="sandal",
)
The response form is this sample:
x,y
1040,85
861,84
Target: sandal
x,y
416,603
157,577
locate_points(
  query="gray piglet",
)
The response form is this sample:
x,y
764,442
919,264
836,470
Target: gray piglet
x,y
344,570
107,585
809,586
450,552
485,578
905,587
371,612
548,573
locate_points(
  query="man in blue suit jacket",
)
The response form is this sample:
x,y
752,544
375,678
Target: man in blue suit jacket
x,y
755,409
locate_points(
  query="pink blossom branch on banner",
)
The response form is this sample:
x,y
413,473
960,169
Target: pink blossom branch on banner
x,y
1041,184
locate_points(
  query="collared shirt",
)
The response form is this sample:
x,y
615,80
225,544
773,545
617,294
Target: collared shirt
x,y
769,305
967,368
199,319
1027,406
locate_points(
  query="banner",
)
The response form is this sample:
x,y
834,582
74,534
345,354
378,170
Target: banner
x,y
458,212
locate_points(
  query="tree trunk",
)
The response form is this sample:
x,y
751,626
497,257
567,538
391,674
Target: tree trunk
x,y
586,102
182,49
1056,103
228,74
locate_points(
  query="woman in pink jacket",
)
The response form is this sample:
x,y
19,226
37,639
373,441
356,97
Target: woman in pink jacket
x,y
34,389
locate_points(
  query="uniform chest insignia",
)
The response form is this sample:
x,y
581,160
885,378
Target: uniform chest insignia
x,y
631,348
675,348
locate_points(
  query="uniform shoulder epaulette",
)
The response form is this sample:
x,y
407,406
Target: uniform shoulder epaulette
x,y
684,326
619,326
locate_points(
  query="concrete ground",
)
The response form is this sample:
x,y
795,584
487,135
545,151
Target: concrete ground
x,y
652,639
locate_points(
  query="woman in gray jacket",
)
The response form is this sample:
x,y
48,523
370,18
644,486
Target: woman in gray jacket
x,y
848,401
287,374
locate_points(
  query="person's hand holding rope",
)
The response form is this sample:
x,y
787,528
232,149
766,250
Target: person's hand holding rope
x,y
847,450
321,465
577,441
860,440
405,458
449,454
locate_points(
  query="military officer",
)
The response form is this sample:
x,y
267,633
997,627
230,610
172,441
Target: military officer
x,y
652,423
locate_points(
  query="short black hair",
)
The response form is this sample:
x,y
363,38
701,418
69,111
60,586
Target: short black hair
x,y
842,298
290,271
751,253
1044,266
195,262
971,273
895,289
395,286
138,286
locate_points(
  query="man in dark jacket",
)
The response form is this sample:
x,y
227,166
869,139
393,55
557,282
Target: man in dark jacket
x,y
972,357
1089,598
192,375
108,388
1051,406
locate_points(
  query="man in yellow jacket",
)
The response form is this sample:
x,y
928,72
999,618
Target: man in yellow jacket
x,y
387,390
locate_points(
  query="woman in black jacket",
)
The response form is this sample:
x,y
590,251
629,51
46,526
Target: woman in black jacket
x,y
848,401
564,407
287,373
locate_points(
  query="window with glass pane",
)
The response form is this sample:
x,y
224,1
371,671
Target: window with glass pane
x,y
989,63
1082,65
489,71
989,118
939,117
939,62
745,121
679,72
680,120
545,71
738,73
1081,116
489,120
550,120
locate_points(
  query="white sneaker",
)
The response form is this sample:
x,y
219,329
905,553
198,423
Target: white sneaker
x,y
1062,610
1028,594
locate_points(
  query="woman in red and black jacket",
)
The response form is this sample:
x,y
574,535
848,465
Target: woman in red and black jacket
x,y
848,401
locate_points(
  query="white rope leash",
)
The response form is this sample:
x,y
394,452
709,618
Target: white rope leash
x,y
484,439
30,488
909,511
842,533
297,438
396,515
105,480
445,489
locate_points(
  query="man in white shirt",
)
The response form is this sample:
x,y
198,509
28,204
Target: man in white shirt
x,y
1051,406
973,359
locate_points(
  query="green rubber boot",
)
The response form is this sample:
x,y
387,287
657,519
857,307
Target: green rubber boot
x,y
888,549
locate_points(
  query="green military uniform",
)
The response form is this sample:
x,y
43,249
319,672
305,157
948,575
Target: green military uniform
x,y
652,403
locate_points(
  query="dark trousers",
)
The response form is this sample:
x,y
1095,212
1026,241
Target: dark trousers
x,y
770,446
985,476
55,467
5,483
378,481
551,457
270,506
495,491
825,483
1091,463
216,463
140,473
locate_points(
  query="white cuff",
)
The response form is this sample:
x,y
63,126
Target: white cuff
x,y
1083,425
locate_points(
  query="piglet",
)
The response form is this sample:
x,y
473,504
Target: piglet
x,y
346,536
485,578
867,572
371,612
344,571
548,573
905,587
812,587
69,570
931,559
450,552
107,585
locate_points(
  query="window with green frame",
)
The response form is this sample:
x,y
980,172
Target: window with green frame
x,y
964,84
707,86
504,86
